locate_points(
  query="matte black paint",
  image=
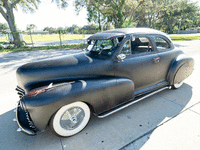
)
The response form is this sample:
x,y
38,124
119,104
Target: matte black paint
x,y
67,68
180,69
104,84
102,96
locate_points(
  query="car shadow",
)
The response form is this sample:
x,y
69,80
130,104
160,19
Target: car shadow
x,y
113,132
128,125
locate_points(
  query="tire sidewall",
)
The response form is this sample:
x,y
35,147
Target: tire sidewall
x,y
56,119
178,85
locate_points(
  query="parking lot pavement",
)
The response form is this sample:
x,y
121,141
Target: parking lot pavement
x,y
168,120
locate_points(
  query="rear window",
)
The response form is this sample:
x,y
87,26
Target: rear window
x,y
161,44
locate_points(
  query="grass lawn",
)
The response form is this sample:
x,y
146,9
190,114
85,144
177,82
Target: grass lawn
x,y
67,47
185,37
48,37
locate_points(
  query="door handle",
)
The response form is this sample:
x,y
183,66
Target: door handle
x,y
156,60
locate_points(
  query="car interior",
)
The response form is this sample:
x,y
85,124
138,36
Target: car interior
x,y
141,45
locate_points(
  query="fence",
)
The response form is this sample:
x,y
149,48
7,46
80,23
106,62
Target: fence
x,y
188,31
35,40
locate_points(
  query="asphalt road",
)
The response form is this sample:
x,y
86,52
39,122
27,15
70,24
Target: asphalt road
x,y
168,120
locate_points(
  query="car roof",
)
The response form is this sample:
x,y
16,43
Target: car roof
x,y
124,31
106,35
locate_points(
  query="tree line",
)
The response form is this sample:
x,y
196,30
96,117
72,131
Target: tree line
x,y
166,15
74,29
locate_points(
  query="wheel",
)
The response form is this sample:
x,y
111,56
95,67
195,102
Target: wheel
x,y
177,85
70,119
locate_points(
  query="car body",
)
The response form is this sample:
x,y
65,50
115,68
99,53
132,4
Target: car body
x,y
117,69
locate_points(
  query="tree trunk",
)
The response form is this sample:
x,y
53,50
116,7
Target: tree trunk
x,y
170,26
99,20
9,17
119,20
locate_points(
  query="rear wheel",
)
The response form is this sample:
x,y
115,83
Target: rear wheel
x,y
70,119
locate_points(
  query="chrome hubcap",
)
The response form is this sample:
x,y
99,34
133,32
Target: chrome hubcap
x,y
72,118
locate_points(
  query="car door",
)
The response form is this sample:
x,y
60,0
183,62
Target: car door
x,y
140,64
166,54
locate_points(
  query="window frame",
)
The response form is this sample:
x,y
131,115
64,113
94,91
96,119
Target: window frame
x,y
129,39
150,41
165,39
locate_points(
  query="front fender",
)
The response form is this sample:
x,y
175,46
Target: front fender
x,y
180,69
102,94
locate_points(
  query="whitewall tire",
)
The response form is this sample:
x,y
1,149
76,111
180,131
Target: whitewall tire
x,y
178,85
70,119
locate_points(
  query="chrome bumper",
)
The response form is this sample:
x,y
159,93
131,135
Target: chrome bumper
x,y
24,121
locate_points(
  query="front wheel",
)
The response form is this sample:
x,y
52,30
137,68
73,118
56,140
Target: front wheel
x,y
177,85
70,119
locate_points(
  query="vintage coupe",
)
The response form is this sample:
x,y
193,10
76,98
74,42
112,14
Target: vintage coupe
x,y
118,68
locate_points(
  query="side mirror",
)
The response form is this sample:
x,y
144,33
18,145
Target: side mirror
x,y
121,57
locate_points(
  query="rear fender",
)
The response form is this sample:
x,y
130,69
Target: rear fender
x,y
100,94
181,68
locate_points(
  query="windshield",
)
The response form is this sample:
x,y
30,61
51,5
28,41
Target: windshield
x,y
102,48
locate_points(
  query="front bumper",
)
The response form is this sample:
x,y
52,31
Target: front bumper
x,y
24,121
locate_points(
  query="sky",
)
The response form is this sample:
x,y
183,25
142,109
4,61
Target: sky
x,y
48,15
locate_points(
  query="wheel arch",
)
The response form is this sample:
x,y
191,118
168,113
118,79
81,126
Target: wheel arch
x,y
181,68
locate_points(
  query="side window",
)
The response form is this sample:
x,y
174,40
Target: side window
x,y
102,45
161,44
141,45
126,49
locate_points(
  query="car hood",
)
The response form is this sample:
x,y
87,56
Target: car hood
x,y
62,69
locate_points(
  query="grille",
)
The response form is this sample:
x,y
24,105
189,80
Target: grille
x,y
30,121
25,119
20,92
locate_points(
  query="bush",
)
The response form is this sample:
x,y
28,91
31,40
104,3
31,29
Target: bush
x,y
1,47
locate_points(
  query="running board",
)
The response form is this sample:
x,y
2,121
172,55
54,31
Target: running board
x,y
131,103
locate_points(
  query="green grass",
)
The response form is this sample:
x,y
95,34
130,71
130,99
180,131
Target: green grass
x,y
48,37
52,37
3,39
66,47
185,37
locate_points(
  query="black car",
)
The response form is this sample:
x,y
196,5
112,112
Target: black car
x,y
117,69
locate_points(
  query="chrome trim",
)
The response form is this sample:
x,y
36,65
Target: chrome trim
x,y
50,86
20,92
133,102
25,129
19,129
